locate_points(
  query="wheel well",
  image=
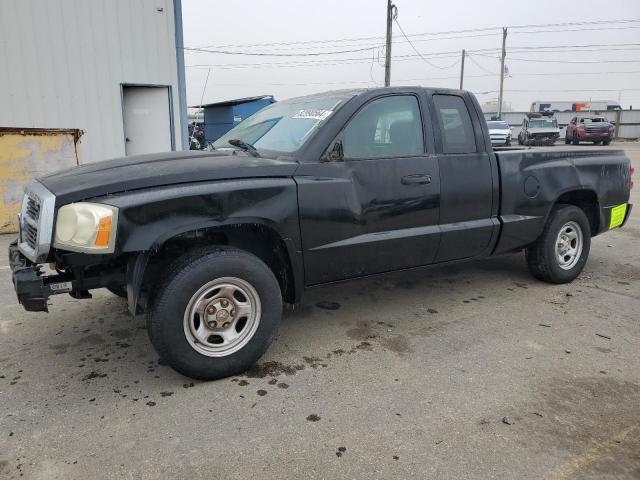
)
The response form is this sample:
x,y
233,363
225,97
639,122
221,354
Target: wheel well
x,y
587,200
261,241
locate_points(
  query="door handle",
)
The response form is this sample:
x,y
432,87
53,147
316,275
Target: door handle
x,y
416,179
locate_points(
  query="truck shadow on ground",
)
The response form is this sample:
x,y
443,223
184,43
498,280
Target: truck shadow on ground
x,y
93,351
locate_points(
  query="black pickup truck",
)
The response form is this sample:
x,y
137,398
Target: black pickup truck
x,y
307,191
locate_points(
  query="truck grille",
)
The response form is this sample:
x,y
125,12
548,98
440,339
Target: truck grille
x,y
36,222
596,128
30,221
30,235
33,208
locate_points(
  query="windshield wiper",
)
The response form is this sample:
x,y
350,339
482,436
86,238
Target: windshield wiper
x,y
247,147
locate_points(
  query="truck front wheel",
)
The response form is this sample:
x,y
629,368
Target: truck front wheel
x,y
559,255
215,313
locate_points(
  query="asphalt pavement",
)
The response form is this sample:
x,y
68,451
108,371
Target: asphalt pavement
x,y
468,371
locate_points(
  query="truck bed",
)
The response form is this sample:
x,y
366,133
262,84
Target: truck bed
x,y
533,179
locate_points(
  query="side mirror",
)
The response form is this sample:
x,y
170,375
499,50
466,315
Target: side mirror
x,y
336,153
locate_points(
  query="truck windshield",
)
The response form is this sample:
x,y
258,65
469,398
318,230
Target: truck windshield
x,y
542,123
283,126
498,125
593,120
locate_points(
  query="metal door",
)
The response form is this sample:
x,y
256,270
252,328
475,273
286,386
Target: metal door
x,y
147,119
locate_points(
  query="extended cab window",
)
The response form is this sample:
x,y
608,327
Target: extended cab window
x,y
455,124
385,127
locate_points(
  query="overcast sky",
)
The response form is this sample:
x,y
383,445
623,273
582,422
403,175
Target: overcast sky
x,y
534,74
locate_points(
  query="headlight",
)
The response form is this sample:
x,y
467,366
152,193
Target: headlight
x,y
86,227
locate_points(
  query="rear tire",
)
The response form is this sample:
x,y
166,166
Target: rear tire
x,y
215,313
561,252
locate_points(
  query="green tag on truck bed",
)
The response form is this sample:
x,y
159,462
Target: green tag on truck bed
x,y
617,215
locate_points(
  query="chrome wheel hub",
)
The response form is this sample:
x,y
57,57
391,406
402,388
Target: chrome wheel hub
x,y
222,316
569,245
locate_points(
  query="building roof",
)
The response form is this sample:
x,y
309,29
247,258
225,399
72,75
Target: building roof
x,y
237,101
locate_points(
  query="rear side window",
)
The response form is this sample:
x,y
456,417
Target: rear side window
x,y
387,127
455,124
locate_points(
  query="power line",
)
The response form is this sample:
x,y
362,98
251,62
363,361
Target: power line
x,y
577,46
308,63
266,54
562,61
432,55
566,90
572,24
446,32
577,30
524,49
480,66
419,79
420,54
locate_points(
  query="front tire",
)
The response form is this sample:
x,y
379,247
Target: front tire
x,y
216,313
561,252
606,142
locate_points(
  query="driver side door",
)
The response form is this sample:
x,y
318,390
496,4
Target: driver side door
x,y
376,209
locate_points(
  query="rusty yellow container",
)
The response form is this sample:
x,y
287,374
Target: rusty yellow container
x,y
27,153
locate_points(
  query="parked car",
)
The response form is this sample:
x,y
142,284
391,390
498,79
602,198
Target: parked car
x,y
500,133
306,192
596,129
539,129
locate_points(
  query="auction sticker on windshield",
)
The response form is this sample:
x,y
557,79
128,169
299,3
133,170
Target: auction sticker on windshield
x,y
313,114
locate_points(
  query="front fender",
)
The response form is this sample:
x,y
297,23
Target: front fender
x,y
148,218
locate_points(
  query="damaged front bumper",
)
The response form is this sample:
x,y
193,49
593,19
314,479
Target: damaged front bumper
x,y
34,288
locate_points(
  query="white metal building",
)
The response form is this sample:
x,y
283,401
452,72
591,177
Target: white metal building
x,y
111,68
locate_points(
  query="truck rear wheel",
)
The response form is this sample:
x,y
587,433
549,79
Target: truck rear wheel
x,y
561,252
216,313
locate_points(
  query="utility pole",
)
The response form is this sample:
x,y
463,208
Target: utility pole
x,y
504,54
462,70
387,62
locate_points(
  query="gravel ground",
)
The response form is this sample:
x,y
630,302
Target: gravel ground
x,y
468,371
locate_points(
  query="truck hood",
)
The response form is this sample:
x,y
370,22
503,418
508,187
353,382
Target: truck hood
x,y
158,169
